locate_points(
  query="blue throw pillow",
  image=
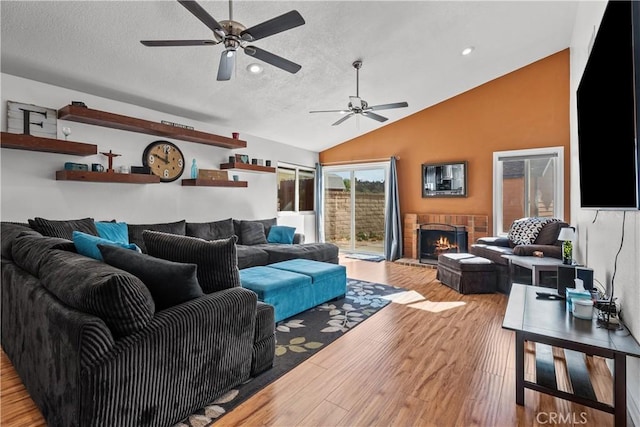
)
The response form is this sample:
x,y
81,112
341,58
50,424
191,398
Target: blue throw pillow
x,y
281,234
87,244
114,231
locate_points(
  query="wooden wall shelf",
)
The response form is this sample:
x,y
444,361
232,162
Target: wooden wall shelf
x,y
20,141
212,183
89,176
247,167
116,121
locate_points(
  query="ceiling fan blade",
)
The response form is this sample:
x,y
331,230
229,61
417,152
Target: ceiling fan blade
x,y
374,116
272,59
388,106
202,15
343,119
164,43
331,111
227,62
273,26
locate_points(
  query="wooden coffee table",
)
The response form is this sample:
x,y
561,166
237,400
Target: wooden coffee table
x,y
535,264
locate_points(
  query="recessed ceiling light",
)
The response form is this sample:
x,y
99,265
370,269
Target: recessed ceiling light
x,y
467,50
255,68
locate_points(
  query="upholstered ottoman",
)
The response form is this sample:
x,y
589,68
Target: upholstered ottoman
x,y
467,273
328,280
289,293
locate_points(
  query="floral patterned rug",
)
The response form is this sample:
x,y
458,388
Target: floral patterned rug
x,y
298,338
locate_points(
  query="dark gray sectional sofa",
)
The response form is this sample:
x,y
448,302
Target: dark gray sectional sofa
x,y
92,349
252,247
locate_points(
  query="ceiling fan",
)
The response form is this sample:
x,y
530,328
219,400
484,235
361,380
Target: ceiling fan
x,y
358,105
234,35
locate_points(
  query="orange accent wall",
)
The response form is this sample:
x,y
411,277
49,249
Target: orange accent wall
x,y
527,108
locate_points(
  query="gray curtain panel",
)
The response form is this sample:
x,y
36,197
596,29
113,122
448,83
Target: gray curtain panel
x,y
393,221
319,205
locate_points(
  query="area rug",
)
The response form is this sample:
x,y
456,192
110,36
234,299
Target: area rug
x,y
300,337
366,257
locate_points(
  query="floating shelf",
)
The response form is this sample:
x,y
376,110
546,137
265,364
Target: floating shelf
x,y
116,121
247,167
89,176
21,141
212,183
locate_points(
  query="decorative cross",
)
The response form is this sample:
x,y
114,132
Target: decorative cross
x,y
110,155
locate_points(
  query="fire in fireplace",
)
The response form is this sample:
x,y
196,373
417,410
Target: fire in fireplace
x,y
436,239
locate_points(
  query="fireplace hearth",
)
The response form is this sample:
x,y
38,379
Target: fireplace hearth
x,y
436,239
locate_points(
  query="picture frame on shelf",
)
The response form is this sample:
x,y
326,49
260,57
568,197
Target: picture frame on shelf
x,y
242,158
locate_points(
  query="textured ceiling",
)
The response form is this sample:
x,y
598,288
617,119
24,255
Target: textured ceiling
x,y
410,52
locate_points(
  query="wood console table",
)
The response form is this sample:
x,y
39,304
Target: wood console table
x,y
547,322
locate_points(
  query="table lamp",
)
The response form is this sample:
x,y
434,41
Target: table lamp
x,y
567,234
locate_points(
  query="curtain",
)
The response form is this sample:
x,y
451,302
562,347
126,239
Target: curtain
x,y
319,200
393,223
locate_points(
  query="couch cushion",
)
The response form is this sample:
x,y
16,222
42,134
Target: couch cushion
x,y
281,234
87,245
63,228
252,233
325,252
114,231
211,230
170,283
8,232
119,298
216,259
267,223
135,231
548,235
31,248
251,256
524,231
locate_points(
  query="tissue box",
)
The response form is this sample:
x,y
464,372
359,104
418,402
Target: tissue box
x,y
573,294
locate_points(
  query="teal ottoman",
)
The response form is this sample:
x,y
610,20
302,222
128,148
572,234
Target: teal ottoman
x,y
289,293
329,280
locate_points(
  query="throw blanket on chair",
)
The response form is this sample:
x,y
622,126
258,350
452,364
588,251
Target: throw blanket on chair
x,y
524,231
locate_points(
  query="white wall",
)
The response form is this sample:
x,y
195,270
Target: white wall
x,y
28,185
600,233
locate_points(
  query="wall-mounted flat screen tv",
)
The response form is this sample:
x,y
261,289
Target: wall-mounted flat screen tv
x,y
609,114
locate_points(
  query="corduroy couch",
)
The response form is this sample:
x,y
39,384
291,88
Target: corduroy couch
x,y
93,350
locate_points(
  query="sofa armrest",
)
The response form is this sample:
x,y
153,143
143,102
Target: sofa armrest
x,y
298,238
204,345
494,241
547,250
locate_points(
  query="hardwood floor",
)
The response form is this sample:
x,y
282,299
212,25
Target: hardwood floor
x,y
402,367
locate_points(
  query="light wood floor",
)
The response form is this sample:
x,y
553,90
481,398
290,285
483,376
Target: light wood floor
x,y
401,367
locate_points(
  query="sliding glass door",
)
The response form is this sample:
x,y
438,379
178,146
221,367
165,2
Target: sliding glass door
x,y
354,200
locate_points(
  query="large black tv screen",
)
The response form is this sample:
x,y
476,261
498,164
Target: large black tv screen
x,y
608,116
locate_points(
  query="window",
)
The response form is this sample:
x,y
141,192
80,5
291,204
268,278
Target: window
x,y
527,183
295,188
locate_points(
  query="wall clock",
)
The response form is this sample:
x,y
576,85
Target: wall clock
x,y
164,159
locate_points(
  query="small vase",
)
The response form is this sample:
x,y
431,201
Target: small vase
x,y
194,170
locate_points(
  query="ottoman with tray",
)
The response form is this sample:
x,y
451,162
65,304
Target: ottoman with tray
x,y
296,285
467,273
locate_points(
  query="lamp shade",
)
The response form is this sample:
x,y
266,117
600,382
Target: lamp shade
x,y
567,233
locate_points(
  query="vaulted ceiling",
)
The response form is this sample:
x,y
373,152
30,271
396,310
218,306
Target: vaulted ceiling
x,y
411,51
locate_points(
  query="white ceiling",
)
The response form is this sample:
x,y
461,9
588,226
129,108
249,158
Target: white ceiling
x,y
410,52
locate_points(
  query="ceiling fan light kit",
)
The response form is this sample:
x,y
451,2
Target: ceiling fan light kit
x,y
235,36
359,106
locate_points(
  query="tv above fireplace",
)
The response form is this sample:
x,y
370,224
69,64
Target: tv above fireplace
x,y
444,179
609,113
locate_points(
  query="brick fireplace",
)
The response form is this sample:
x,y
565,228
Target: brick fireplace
x,y
476,226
